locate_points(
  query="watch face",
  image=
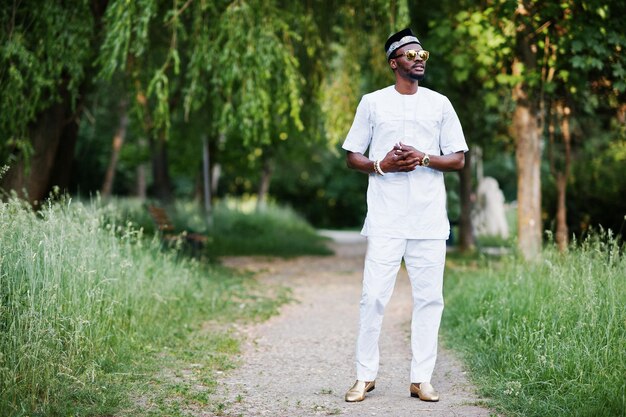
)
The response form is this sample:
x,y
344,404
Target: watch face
x,y
425,161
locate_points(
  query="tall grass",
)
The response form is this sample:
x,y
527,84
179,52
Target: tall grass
x,y
545,338
80,298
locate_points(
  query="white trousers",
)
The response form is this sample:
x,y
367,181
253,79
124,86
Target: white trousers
x,y
424,260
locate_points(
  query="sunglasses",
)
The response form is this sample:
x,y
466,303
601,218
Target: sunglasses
x,y
412,55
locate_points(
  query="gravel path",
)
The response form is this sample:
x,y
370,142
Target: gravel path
x,y
301,362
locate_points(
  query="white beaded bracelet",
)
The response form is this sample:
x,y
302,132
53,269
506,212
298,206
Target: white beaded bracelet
x,y
377,167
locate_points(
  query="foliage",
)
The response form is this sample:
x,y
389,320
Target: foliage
x,y
44,52
83,300
318,185
469,62
279,81
254,73
544,338
561,54
598,183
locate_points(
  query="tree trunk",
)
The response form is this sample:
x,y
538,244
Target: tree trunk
x,y
528,157
160,169
53,138
466,232
561,212
141,182
562,231
118,141
526,130
216,171
206,180
264,185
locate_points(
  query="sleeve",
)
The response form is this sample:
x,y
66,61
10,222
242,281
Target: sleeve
x,y
451,137
360,133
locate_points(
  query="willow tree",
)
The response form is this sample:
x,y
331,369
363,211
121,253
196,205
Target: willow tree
x,y
142,42
46,55
229,65
256,82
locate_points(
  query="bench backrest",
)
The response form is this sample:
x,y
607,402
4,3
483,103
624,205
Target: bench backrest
x,y
161,219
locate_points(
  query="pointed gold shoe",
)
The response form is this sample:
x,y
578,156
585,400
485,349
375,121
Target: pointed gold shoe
x,y
424,391
358,390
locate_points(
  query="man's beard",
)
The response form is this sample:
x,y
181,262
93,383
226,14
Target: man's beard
x,y
417,77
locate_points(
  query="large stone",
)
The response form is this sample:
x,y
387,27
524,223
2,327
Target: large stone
x,y
489,216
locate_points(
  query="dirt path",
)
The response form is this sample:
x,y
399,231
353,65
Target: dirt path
x,y
300,363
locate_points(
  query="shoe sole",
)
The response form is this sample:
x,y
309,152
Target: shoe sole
x,y
414,395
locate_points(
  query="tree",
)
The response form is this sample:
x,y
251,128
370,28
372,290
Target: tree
x,y
585,73
467,57
118,141
45,69
255,74
542,55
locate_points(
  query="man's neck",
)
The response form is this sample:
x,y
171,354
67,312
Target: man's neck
x,y
404,86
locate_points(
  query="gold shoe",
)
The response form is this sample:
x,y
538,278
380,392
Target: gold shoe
x,y
358,390
424,391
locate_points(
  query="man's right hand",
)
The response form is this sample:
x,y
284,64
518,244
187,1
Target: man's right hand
x,y
401,158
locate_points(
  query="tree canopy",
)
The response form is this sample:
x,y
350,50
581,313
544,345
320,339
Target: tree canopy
x,y
272,86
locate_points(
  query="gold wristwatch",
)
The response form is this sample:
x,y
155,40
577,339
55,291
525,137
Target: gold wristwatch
x,y
425,160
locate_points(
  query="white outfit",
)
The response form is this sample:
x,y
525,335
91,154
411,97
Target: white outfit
x,y
406,218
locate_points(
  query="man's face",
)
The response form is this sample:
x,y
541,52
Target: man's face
x,y
415,70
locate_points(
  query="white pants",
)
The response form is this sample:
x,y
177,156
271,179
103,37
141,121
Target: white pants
x,y
424,260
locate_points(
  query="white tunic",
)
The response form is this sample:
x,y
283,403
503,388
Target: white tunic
x,y
410,205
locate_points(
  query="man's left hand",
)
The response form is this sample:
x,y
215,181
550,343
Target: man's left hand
x,y
407,155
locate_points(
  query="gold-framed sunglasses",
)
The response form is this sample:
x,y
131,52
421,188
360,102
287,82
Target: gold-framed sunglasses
x,y
412,55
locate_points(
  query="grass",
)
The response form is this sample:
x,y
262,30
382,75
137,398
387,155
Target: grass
x,y
274,231
91,311
96,319
546,338
236,227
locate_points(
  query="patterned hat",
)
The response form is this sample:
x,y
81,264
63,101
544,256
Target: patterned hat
x,y
398,40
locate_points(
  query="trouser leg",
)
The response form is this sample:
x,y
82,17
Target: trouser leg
x,y
425,260
382,262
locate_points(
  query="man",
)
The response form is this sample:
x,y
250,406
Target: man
x,y
413,135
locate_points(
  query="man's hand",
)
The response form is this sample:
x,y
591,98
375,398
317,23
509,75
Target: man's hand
x,y
405,158
411,157
401,158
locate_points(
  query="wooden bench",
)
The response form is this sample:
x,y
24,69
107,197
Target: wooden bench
x,y
169,235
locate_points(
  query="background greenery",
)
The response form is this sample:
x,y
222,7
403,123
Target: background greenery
x,y
272,87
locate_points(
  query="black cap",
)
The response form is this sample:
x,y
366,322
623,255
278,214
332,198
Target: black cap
x,y
400,39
